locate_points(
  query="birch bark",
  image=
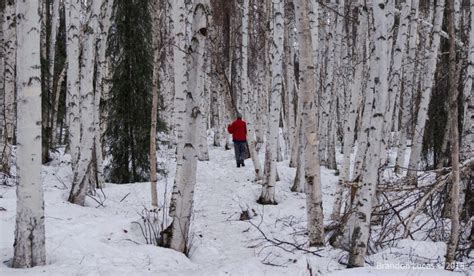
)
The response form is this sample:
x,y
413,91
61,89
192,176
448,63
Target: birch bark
x,y
29,245
314,209
268,190
52,54
427,86
179,59
247,112
73,25
396,71
355,102
409,87
85,167
379,71
9,83
186,172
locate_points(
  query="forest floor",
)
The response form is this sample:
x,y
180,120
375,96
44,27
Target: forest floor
x,y
103,238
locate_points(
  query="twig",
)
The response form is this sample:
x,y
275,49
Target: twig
x,y
124,197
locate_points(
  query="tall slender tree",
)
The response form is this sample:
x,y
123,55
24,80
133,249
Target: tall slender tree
x,y
268,190
9,87
309,132
453,75
177,234
379,72
29,246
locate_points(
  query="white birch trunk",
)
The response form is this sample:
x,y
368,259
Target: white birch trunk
x,y
29,245
309,117
299,184
9,49
268,190
179,57
379,71
52,54
467,148
247,112
351,115
85,167
186,172
73,24
427,86
396,72
409,86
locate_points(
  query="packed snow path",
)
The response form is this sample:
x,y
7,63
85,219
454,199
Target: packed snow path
x,y
104,240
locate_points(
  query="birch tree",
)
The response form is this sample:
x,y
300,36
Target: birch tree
x,y
85,167
177,234
73,25
179,58
396,71
52,60
312,174
29,245
354,104
365,194
247,112
408,80
9,83
427,86
268,190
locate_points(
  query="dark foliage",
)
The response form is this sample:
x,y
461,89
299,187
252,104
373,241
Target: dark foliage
x,y
129,105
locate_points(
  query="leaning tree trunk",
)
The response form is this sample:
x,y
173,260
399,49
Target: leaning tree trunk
x,y
453,74
52,53
365,194
314,208
177,234
427,87
29,246
268,190
9,84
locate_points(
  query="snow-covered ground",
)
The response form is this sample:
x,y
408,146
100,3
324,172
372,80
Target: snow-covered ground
x,y
104,240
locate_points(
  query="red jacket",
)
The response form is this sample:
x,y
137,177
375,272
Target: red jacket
x,y
238,129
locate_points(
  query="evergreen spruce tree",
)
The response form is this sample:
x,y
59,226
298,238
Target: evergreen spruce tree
x,y
129,103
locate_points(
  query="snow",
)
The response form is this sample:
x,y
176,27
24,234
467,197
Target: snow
x,y
104,240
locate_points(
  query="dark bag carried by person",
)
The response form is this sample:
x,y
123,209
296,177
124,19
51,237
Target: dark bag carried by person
x,y
246,154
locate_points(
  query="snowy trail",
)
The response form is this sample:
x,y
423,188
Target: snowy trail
x,y
96,240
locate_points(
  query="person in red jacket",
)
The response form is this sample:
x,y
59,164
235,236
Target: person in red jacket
x,y
238,129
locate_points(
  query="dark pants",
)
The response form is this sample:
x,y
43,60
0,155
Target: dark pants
x,y
239,148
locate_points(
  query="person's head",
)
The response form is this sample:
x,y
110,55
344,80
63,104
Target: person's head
x,y
239,115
